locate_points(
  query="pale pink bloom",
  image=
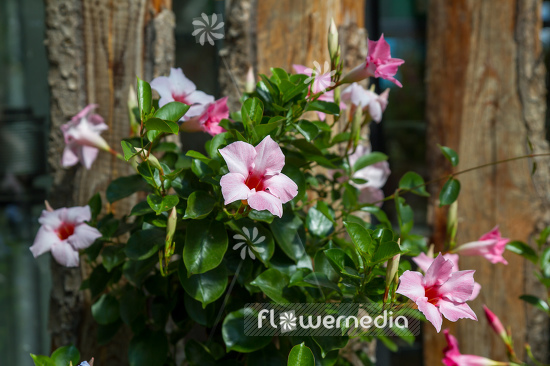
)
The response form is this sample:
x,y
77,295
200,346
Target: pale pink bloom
x,y
210,118
255,176
491,246
320,84
179,88
376,176
378,64
440,292
453,357
82,138
365,99
423,262
495,323
64,232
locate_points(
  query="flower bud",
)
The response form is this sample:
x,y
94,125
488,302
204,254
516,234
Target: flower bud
x,y
132,103
151,158
452,224
171,227
332,40
250,84
496,324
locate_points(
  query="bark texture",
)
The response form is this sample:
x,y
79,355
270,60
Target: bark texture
x,y
96,50
486,99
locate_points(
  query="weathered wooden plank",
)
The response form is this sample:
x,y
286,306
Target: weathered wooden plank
x,y
486,96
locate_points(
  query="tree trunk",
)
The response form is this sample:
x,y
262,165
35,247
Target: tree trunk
x,y
486,100
96,50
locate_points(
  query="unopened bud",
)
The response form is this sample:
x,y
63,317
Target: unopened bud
x,y
171,227
496,324
132,105
151,159
452,224
250,83
332,40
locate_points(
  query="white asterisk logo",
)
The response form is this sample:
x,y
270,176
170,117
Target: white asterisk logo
x,y
287,321
208,28
249,241
321,80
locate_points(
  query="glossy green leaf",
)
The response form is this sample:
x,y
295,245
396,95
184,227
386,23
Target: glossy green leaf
x,y
160,204
205,245
40,360
197,354
523,249
415,183
301,355
385,251
125,186
317,223
128,150
112,256
157,124
65,355
324,107
307,129
206,287
360,237
450,154
535,301
272,283
449,193
172,111
289,234
105,310
199,205
144,97
369,159
144,243
233,334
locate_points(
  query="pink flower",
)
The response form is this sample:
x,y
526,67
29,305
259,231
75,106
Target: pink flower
x,y
367,99
255,176
82,138
495,323
209,119
64,232
452,356
440,292
378,64
423,262
376,176
177,87
320,84
491,246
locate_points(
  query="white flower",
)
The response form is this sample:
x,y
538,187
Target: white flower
x,y
287,321
249,241
206,28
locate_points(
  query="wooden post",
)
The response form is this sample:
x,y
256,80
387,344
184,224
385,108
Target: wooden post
x,y
96,50
486,99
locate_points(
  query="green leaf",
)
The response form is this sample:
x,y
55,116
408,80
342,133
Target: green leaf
x,y
160,204
317,223
205,245
264,216
199,205
144,97
339,259
324,107
450,154
142,208
523,249
450,192
413,182
321,279
272,283
40,360
65,355
308,129
279,74
144,243
105,309
385,251
369,159
252,112
128,149
330,343
125,186
95,205
206,287
172,111
148,349
535,301
197,354
289,233
301,355
112,256
360,237
157,124
233,334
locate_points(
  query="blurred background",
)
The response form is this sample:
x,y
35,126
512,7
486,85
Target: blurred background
x,y
26,179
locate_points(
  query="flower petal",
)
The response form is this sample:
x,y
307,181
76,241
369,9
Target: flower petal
x,y
265,201
179,83
43,241
163,86
84,235
270,158
476,291
438,272
239,157
301,69
431,312
453,311
70,158
234,188
52,219
459,287
199,97
423,261
65,254
281,186
410,285
88,155
79,214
